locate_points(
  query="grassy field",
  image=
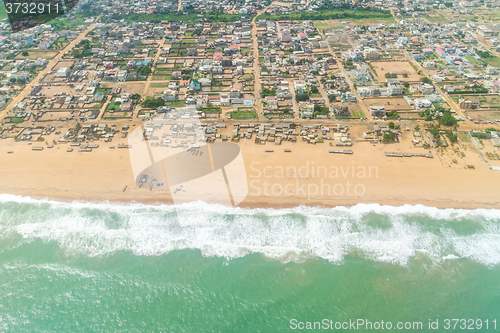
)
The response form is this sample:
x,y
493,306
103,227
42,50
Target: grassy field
x,y
495,61
159,85
243,114
338,13
35,54
176,103
472,60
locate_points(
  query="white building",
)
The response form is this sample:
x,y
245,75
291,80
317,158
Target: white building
x,y
422,103
63,72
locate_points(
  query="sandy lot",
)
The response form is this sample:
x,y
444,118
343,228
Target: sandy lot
x,y
63,64
390,103
383,67
307,175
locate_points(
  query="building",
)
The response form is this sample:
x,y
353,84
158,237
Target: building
x,y
63,72
371,53
170,95
490,70
377,111
395,88
469,104
422,103
484,31
285,36
429,64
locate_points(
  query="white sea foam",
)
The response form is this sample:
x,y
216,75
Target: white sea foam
x,y
293,234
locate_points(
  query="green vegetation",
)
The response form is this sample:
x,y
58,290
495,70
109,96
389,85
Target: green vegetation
x,y
16,120
301,97
268,92
82,49
389,137
452,137
472,60
327,13
176,103
211,109
190,16
243,113
144,70
426,80
320,110
392,115
113,106
151,102
447,119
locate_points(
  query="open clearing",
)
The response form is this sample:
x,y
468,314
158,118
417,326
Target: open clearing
x,y
389,103
396,67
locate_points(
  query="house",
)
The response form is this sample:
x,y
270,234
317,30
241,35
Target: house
x,y
469,104
41,62
63,72
170,95
377,111
429,64
490,70
441,52
426,89
395,88
213,99
422,103
98,97
224,100
371,53
194,85
204,82
122,75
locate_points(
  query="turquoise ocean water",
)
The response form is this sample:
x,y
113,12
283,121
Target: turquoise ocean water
x,y
100,267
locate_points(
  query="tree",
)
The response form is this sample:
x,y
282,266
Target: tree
x,y
391,125
301,97
25,53
406,84
314,89
426,80
388,137
447,119
151,102
331,97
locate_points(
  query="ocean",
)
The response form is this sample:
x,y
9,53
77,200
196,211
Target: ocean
x,y
108,267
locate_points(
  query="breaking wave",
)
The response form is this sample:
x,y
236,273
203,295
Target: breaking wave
x,y
381,233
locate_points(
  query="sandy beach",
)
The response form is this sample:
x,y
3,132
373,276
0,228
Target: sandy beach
x,y
308,175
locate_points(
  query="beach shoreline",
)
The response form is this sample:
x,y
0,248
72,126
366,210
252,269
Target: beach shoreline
x,y
308,176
